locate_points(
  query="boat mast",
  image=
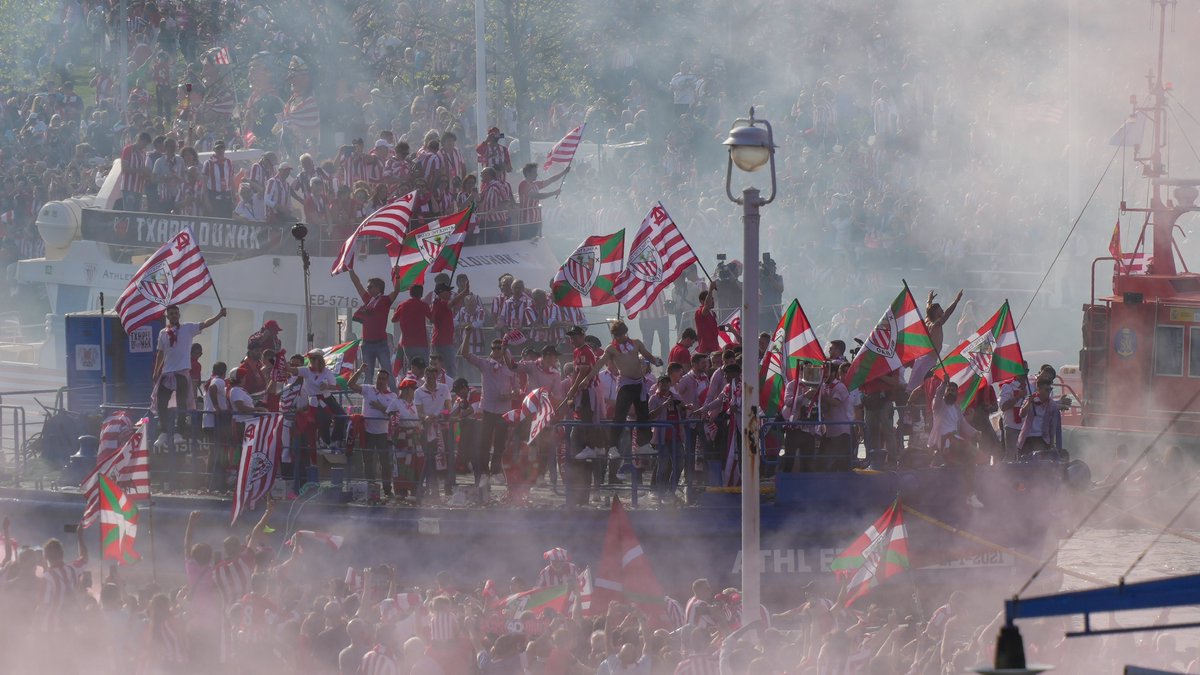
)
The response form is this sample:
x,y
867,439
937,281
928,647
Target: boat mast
x,y
1163,214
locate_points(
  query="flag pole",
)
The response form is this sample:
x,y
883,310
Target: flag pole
x,y
218,294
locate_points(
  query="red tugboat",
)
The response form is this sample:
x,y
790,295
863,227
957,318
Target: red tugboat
x,y
1140,362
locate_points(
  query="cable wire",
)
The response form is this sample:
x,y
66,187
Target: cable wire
x,y
1068,237
1160,534
1108,493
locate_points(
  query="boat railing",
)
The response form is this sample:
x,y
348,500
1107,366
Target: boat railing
x,y
14,439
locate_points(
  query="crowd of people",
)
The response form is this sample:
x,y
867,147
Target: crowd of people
x,y
275,600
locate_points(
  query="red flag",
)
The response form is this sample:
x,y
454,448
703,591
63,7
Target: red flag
x,y
175,274
221,57
537,405
389,223
658,255
128,467
625,574
260,458
1114,246
563,151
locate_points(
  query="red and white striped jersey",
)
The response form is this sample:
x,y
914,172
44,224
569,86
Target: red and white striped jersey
x,y
376,170
277,195
429,165
513,315
60,583
302,117
396,169
261,172
452,160
493,155
218,174
164,645
567,575
443,627
497,308
351,170
496,201
540,323
232,577
301,183
133,164
378,661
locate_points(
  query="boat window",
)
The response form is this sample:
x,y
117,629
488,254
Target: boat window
x,y
237,325
291,335
1168,350
195,313
1194,354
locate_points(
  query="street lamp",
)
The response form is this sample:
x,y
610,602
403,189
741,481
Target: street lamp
x,y
299,232
751,146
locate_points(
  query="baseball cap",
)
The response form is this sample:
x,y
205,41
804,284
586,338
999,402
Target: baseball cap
x,y
380,143
576,330
284,167
550,350
442,287
407,383
272,324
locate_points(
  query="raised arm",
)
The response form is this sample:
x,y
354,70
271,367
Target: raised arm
x,y
187,534
357,284
352,383
79,541
261,526
646,353
214,318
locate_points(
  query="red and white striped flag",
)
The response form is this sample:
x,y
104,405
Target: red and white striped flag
x,y
727,337
301,538
114,431
260,458
658,255
128,467
389,223
175,274
221,57
536,404
515,338
563,151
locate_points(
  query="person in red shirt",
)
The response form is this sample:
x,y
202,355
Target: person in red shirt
x,y
373,316
441,312
410,318
706,322
681,353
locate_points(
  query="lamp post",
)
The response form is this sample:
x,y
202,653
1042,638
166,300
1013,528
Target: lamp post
x,y
751,146
299,232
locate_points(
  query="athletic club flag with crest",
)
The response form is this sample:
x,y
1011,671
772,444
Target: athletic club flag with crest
x,y
658,255
793,343
389,223
128,467
433,247
590,273
174,275
118,524
991,354
879,553
260,458
563,151
729,330
899,338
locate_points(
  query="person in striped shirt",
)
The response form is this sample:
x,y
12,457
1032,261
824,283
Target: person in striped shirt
x,y
218,182
262,171
492,155
429,161
497,203
60,583
452,157
278,198
135,173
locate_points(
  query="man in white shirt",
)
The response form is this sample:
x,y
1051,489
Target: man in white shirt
x,y
216,420
1012,397
375,401
837,413
172,372
241,404
432,399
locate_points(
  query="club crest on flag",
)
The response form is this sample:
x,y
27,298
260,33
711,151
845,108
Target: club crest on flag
x,y
883,338
979,354
157,284
430,243
645,263
583,267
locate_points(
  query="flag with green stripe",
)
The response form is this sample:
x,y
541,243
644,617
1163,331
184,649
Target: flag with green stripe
x,y
793,344
879,553
990,355
342,360
118,523
899,338
538,601
588,276
434,247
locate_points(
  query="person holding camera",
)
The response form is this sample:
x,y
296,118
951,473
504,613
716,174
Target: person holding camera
x,y
493,155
